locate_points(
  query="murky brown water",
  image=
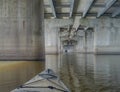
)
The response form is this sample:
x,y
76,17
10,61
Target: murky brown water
x,y
80,72
14,73
87,73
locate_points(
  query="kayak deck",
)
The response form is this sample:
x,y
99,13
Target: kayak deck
x,y
47,81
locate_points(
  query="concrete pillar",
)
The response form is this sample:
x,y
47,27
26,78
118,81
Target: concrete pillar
x,y
80,44
21,30
85,41
106,34
52,39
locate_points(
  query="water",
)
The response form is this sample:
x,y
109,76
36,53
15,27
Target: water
x,y
15,73
80,72
87,72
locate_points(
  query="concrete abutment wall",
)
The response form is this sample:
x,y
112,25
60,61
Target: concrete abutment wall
x,y
21,30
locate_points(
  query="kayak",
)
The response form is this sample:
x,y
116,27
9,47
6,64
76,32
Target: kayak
x,y
46,81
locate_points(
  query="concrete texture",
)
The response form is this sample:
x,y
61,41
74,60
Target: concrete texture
x,y
106,35
52,39
102,39
85,42
21,30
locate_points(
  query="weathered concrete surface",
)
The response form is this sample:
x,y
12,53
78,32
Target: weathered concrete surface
x,y
106,34
52,39
85,42
21,30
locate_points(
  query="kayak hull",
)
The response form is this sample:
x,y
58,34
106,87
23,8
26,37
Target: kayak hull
x,y
46,81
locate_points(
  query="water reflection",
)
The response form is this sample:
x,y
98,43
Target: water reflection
x,y
13,74
53,62
87,72
80,72
107,73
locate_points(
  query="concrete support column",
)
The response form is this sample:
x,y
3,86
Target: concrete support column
x,y
52,39
21,30
106,34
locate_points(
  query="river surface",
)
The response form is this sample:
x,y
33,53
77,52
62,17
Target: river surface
x,y
15,73
87,72
80,72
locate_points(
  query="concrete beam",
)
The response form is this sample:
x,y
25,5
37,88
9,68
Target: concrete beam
x,y
70,40
53,8
64,34
74,27
71,7
101,5
67,5
63,5
108,5
117,12
49,15
88,8
64,38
